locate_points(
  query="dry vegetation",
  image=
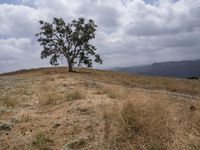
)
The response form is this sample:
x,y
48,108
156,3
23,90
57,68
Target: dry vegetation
x,y
51,109
151,124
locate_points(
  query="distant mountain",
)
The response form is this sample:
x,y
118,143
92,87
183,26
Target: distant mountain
x,y
180,69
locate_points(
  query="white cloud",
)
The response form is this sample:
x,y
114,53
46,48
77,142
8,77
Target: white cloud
x,y
129,32
18,53
14,48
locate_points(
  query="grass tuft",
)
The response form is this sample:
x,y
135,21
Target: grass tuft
x,y
42,141
49,98
75,94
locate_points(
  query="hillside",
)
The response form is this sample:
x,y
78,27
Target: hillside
x,y
49,108
180,69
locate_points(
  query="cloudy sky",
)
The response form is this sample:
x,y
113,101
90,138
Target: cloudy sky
x,y
130,32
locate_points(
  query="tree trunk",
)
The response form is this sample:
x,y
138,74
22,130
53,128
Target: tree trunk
x,y
70,67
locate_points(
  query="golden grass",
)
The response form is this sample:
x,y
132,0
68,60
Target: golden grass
x,y
170,84
49,98
112,91
42,141
75,94
8,102
139,112
162,83
117,93
25,117
151,124
52,97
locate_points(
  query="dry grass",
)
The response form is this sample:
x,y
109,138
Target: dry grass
x,y
8,102
138,111
117,93
170,84
49,98
150,124
75,94
42,141
113,92
25,117
52,97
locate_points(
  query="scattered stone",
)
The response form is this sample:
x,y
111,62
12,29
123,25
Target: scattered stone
x,y
65,85
29,93
75,143
192,108
82,110
5,126
4,109
57,125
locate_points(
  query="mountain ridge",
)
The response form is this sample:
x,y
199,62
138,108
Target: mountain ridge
x,y
179,69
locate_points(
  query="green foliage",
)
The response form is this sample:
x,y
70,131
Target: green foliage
x,y
71,41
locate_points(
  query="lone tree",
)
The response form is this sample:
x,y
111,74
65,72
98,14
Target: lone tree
x,y
71,41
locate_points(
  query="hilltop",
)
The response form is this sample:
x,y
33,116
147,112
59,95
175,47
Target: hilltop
x,y
49,108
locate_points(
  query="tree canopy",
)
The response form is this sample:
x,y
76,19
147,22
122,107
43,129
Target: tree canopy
x,y
70,41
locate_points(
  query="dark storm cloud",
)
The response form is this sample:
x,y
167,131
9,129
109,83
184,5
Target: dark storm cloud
x,y
130,32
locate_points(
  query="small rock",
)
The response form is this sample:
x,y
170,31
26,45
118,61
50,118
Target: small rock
x,y
82,109
192,108
57,125
75,144
28,93
5,126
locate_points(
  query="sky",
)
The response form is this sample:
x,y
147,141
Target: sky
x,y
130,32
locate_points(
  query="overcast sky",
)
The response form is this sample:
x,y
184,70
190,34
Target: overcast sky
x,y
130,32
